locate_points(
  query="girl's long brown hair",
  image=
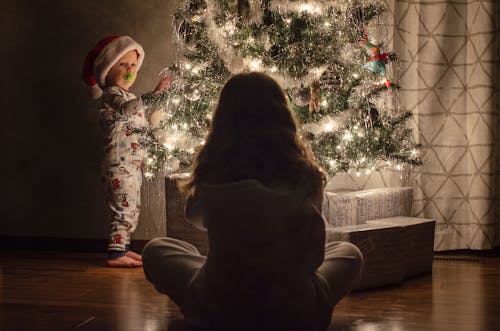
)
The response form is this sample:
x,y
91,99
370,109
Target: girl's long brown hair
x,y
254,136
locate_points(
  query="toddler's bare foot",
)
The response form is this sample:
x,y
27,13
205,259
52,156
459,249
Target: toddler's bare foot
x,y
134,255
124,261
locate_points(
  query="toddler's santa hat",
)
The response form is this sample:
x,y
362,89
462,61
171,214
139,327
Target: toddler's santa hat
x,y
104,56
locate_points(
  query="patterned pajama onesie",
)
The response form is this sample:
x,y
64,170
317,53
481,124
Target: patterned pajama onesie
x,y
120,113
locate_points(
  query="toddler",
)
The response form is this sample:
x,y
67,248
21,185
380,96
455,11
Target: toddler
x,y
110,69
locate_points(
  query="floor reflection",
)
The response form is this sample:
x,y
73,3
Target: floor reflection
x,y
457,296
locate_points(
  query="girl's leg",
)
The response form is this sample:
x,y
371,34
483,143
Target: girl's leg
x,y
170,264
341,269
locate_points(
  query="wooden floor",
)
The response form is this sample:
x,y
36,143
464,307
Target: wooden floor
x,y
67,291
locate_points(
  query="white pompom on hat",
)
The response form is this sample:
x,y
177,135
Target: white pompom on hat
x,y
104,56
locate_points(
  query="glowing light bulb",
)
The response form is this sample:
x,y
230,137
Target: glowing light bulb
x,y
229,28
328,127
316,72
309,8
347,136
255,64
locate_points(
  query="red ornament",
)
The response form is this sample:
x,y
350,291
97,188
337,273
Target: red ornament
x,y
380,57
388,84
116,183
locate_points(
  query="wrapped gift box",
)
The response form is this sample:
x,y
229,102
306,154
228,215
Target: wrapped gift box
x,y
417,244
177,226
340,209
357,207
384,202
380,245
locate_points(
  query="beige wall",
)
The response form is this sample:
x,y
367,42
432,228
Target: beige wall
x,y
49,135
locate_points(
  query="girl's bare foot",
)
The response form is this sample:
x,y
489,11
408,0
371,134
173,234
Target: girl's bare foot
x,y
134,255
124,261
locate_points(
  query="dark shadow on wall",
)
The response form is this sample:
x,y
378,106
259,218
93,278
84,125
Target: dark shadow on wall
x,y
50,137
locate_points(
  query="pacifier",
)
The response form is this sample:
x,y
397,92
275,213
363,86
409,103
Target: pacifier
x,y
129,77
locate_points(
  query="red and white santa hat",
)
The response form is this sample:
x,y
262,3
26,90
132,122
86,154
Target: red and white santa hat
x,y
104,56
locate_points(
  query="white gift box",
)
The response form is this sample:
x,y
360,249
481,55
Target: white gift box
x,y
340,209
383,203
357,207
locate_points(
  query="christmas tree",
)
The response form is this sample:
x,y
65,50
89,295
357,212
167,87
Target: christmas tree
x,y
327,55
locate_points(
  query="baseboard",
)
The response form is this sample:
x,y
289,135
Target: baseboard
x,y
91,245
470,252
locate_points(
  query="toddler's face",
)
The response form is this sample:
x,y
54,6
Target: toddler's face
x,y
124,71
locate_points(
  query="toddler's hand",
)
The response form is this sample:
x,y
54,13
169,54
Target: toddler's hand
x,y
163,84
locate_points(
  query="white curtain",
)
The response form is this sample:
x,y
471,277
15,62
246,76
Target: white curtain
x,y
449,54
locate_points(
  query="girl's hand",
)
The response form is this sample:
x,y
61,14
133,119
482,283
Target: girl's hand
x,y
163,84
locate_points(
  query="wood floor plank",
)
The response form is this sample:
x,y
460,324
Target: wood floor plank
x,y
75,291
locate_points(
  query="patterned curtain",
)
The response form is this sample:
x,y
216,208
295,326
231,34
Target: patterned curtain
x,y
449,53
449,56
